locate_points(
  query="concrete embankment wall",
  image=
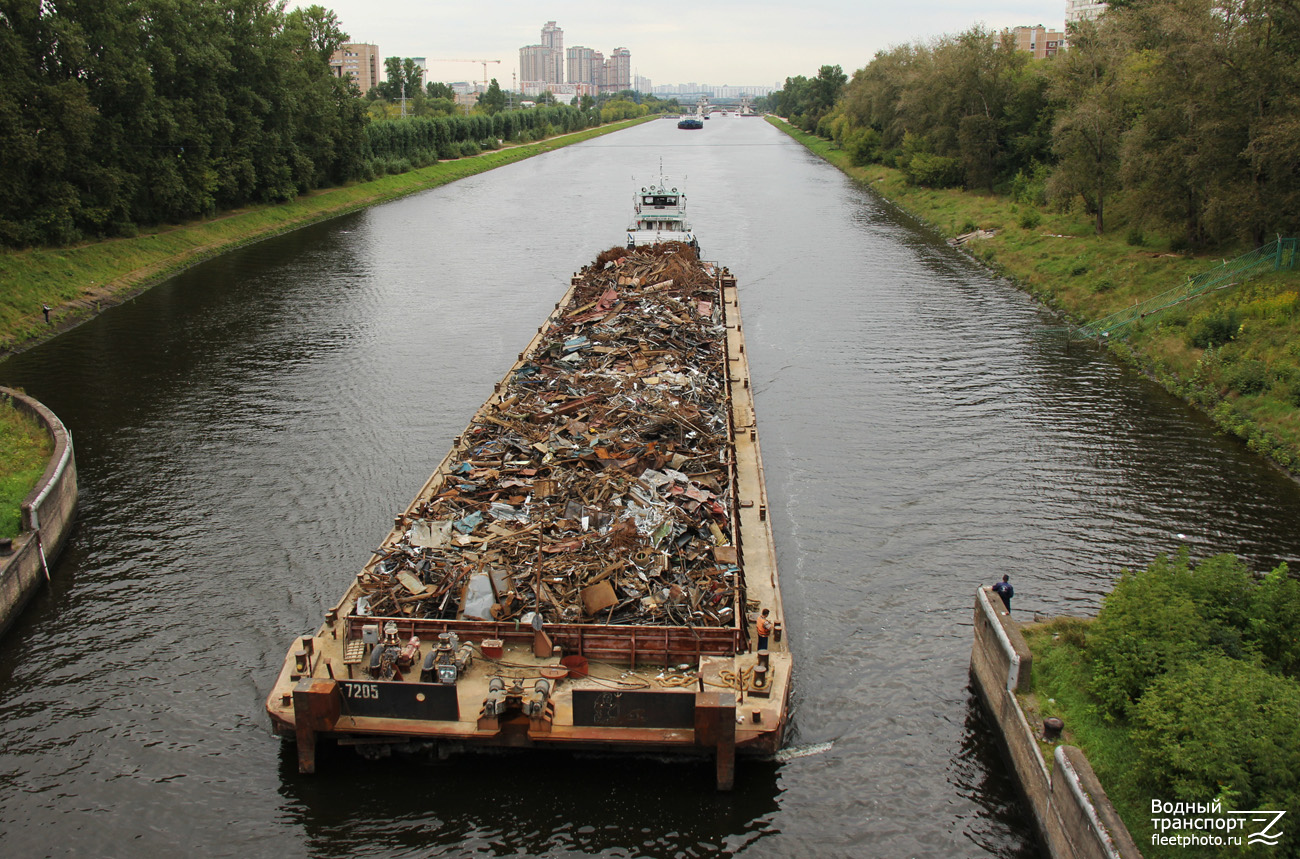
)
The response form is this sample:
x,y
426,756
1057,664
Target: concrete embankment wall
x,y
47,516
1075,818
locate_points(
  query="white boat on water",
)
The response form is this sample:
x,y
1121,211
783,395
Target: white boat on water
x,y
660,217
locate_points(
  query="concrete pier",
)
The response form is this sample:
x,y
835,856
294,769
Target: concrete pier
x,y
48,513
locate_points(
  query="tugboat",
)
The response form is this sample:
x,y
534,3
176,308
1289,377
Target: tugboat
x,y
660,217
690,122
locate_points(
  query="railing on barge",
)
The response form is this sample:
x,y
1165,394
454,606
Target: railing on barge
x,y
603,642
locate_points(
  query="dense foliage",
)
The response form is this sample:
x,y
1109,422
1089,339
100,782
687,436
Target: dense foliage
x,y
396,146
1177,115
1198,666
125,112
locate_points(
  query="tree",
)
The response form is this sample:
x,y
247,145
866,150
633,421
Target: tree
x,y
404,79
320,30
1090,125
824,89
494,99
434,89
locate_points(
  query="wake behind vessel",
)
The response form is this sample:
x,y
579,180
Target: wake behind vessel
x,y
585,567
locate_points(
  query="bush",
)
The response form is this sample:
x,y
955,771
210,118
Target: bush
x,y
1213,329
1221,727
1030,187
863,146
1248,377
1135,238
468,148
933,171
1147,626
1030,219
1275,622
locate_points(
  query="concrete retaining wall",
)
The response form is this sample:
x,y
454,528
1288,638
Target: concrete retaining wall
x,y
47,516
1075,818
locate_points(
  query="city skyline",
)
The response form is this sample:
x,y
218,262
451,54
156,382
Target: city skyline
x,y
726,43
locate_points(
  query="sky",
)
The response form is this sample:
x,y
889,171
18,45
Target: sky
x,y
719,42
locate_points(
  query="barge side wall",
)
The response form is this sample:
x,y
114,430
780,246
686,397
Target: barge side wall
x,y
48,514
1075,818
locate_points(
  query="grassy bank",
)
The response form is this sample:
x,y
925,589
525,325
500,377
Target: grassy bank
x,y
25,448
77,282
1234,354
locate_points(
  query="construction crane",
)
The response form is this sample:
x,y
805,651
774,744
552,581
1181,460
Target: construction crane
x,y
484,62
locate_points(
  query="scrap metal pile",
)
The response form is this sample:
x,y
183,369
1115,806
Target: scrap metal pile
x,y
598,488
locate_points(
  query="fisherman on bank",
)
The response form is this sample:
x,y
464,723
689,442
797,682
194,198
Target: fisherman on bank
x,y
1006,591
764,627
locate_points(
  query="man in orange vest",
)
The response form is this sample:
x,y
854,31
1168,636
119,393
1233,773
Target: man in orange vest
x,y
764,629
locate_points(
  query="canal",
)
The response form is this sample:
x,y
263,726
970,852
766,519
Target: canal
x,y
246,431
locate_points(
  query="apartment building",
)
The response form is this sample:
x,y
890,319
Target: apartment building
x,y
1039,41
357,61
1083,10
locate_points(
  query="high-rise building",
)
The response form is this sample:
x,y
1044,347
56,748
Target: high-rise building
x,y
553,38
580,65
549,66
534,60
359,62
618,71
1083,10
1039,41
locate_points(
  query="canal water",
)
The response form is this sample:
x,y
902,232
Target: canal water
x,y
246,431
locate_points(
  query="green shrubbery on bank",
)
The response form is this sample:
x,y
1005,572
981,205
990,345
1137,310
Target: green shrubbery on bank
x,y
1185,688
1234,354
25,449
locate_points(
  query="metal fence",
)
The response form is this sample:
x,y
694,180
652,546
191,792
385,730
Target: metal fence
x,y
1271,257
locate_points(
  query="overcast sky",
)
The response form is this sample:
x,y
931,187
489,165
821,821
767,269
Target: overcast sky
x,y
706,41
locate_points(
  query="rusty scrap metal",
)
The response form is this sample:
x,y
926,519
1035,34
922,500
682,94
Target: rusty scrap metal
x,y
596,486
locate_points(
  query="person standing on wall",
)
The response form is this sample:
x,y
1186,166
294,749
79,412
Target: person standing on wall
x,y
1006,591
764,627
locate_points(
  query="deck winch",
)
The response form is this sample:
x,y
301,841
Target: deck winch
x,y
535,704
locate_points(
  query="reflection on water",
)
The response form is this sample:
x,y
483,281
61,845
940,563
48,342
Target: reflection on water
x,y
246,431
512,803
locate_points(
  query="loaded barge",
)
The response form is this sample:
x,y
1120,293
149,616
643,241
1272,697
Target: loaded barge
x,y
588,566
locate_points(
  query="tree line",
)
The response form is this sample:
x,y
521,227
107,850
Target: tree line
x,y
126,112
119,114
1175,116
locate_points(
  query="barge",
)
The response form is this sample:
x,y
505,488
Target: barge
x,y
589,566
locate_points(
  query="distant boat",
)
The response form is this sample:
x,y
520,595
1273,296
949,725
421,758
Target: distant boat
x,y
690,122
